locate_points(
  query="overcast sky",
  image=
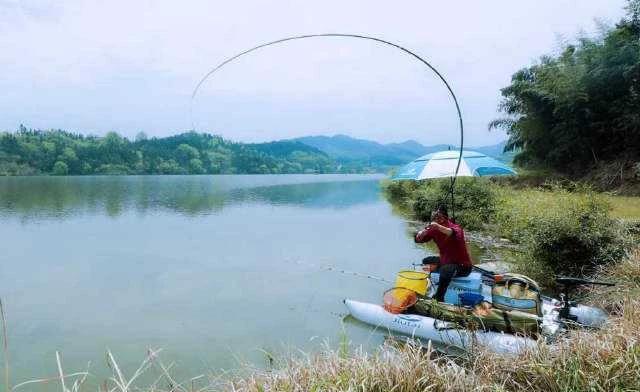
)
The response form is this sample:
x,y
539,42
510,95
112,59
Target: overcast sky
x,y
130,66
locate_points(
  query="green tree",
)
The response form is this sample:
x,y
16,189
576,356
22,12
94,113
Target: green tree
x,y
70,158
185,153
633,9
60,169
196,167
572,111
170,167
86,168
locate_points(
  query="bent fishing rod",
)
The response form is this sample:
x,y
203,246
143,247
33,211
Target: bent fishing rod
x,y
347,36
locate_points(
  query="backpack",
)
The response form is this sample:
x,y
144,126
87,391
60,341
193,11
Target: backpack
x,y
517,292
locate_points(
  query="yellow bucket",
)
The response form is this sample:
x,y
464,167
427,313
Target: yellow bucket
x,y
413,280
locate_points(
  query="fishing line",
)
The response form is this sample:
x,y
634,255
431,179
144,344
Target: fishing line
x,y
354,36
341,271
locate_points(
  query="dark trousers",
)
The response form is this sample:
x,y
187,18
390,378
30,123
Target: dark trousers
x,y
448,272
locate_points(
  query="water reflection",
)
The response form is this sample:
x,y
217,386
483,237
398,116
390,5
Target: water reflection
x,y
55,197
210,268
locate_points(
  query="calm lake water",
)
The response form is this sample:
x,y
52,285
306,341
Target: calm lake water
x,y
215,270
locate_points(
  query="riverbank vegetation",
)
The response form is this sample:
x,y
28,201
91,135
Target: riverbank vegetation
x,y
556,229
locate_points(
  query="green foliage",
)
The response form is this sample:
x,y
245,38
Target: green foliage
x,y
559,228
575,242
399,191
16,169
60,169
170,167
561,232
570,112
196,167
32,151
185,153
474,201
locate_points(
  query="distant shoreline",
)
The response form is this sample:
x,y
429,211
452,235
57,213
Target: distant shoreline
x,y
58,152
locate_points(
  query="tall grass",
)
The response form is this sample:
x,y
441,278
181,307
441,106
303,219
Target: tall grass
x,y
625,207
399,368
560,232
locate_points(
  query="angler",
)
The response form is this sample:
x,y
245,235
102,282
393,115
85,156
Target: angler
x,y
454,258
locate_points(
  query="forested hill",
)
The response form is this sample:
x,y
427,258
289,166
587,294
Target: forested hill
x,y
27,152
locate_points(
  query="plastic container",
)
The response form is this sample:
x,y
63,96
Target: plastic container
x,y
470,299
398,299
460,284
413,280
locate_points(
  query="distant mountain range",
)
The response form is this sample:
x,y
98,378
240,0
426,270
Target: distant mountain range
x,y
361,153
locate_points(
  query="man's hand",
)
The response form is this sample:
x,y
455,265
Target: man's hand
x,y
444,230
434,225
420,236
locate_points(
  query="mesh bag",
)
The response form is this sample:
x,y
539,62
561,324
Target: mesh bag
x,y
398,299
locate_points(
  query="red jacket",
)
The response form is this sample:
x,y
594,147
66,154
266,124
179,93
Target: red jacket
x,y
453,249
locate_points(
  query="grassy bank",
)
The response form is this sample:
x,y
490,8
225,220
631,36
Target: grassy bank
x,y
625,207
558,228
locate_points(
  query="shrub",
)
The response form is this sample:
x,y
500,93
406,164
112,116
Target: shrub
x,y
474,200
399,191
60,169
170,167
16,169
560,232
575,243
195,166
